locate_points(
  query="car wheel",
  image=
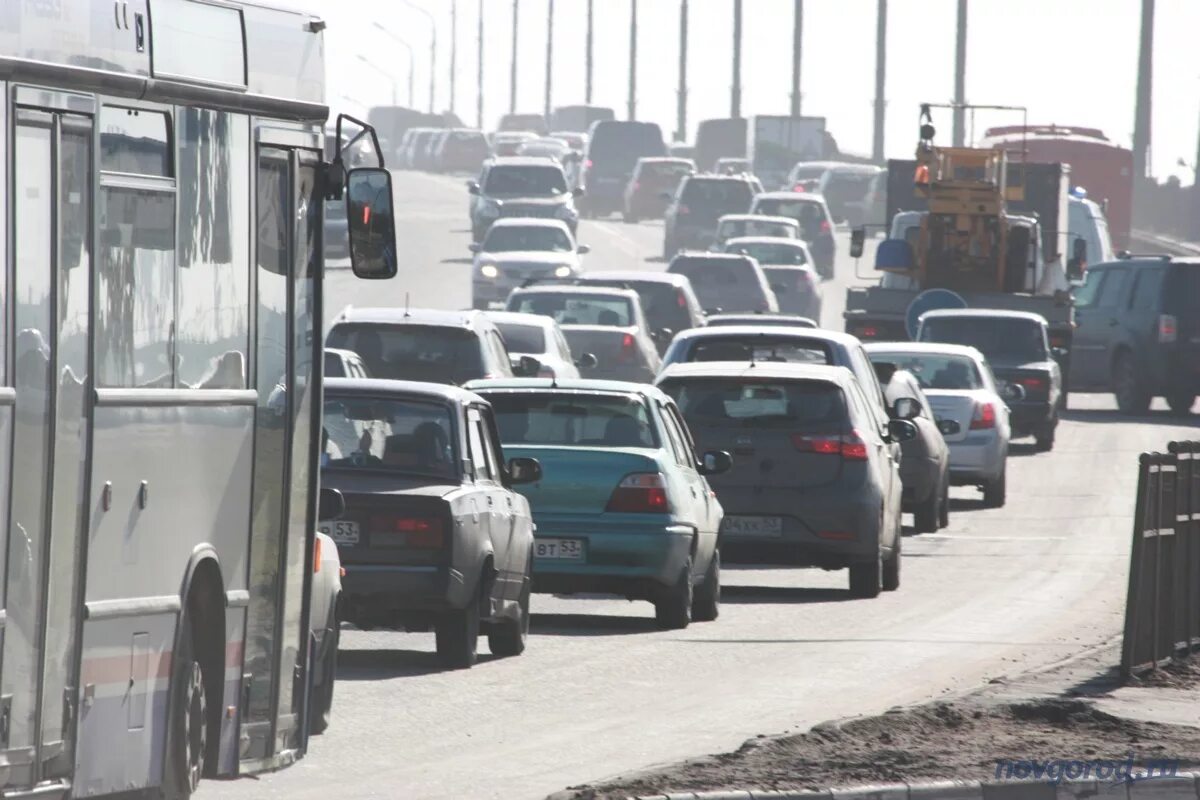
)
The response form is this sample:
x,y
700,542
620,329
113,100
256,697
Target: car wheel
x,y
944,507
457,634
866,578
706,606
891,569
508,637
1181,403
673,608
995,489
1132,398
1043,440
187,738
322,694
925,516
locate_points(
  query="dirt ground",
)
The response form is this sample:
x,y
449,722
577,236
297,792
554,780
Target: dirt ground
x,y
960,739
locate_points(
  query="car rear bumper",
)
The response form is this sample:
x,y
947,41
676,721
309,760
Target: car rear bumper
x,y
1027,418
379,593
979,457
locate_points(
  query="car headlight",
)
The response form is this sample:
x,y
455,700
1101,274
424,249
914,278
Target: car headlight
x,y
563,271
489,271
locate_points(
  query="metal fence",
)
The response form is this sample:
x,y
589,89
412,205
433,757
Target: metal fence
x,y
1162,612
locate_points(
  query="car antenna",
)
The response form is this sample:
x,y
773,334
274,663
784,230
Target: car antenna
x,y
406,313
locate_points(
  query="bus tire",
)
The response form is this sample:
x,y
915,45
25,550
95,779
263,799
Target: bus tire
x,y
187,730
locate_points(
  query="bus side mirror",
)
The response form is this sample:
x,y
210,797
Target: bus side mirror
x,y
372,223
858,238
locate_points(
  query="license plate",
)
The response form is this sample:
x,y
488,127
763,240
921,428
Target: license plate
x,y
341,531
564,549
752,526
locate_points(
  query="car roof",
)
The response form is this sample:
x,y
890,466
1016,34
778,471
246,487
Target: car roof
x,y
799,244
589,385
758,217
530,222
975,313
709,255
608,330
341,351
716,176
749,369
833,337
806,197
412,316
432,391
672,278
667,160
938,348
523,161
761,320
571,288
521,318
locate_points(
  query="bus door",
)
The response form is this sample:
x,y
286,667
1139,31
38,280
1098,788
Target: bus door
x,y
289,249
52,225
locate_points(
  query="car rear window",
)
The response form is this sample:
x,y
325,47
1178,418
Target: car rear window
x,y
393,435
574,420
770,253
436,354
998,338
532,238
760,347
935,370
616,146
710,195
810,214
789,404
526,180
522,338
580,309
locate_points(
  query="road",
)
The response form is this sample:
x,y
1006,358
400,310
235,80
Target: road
x,y
600,691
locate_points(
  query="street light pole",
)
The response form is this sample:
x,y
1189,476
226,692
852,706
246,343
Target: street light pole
x,y
587,94
633,28
960,77
411,60
453,50
681,108
880,79
549,53
432,49
512,78
479,73
735,96
383,72
797,40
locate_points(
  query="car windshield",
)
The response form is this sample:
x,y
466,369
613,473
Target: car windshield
x,y
935,370
580,309
998,338
786,405
393,435
770,253
437,354
525,181
575,420
514,238
733,228
760,347
522,338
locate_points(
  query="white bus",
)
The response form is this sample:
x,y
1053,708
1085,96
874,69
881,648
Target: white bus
x,y
161,192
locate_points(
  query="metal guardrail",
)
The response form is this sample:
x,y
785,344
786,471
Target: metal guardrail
x,y
1162,611
1144,241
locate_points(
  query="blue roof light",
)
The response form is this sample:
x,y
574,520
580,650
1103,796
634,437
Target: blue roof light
x,y
1079,192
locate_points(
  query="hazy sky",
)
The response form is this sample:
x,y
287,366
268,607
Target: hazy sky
x,y
1068,61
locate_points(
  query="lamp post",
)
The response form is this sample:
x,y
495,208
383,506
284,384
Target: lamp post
x,y
411,66
432,49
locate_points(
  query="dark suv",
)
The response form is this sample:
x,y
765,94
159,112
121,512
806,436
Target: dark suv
x,y
700,201
1138,332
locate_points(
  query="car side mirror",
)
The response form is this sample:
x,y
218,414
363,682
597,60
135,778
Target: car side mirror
x,y
587,361
524,470
475,247
472,187
858,238
948,427
331,505
583,249
577,191
527,367
1059,352
715,462
906,408
371,223
901,430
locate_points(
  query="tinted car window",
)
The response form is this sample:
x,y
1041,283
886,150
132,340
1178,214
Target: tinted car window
x,y
1114,293
575,420
1087,293
616,146
663,304
1147,290
664,171
787,405
393,435
1183,291
333,366
771,253
577,309
725,283
810,214
935,371
526,181
998,338
413,352
759,347
523,338
510,238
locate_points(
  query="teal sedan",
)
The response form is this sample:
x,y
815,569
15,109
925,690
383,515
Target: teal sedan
x,y
623,506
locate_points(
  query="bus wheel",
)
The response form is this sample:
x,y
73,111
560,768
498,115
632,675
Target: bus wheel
x,y
187,736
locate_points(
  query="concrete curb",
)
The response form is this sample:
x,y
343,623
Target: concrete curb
x,y
1184,786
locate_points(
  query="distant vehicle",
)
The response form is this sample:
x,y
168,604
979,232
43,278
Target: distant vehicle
x,y
1017,348
324,626
583,305
871,210
718,139
422,344
1087,223
725,282
524,122
337,231
681,150
508,143
789,270
815,478
1138,332
576,141
805,176
415,463
971,414
416,145
614,353
816,224
579,119
732,166
614,147
652,180
925,462
426,155
556,149
760,320
736,226
775,143
518,249
538,337
845,184
699,202
344,364
463,150
624,506
669,303
521,187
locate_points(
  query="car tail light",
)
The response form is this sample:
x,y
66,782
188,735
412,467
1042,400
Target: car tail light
x,y
317,555
422,532
869,332
639,493
680,300
799,187
825,227
849,446
1167,328
1058,341
1030,382
587,164
984,418
684,211
627,342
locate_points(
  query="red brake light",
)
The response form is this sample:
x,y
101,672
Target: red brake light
x,y
825,226
680,300
639,493
985,417
587,164
366,215
627,342
853,447
799,187
850,446
1167,328
422,532
869,332
1032,383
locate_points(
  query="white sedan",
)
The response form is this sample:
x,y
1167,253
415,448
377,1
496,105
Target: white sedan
x,y
519,249
971,414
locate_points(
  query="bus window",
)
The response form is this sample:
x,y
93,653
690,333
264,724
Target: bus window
x,y
134,141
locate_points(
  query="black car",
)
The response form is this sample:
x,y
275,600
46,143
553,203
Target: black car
x,y
614,147
517,186
1138,332
1018,350
699,203
416,464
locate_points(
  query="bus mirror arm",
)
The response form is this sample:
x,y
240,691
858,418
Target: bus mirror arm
x,y
336,174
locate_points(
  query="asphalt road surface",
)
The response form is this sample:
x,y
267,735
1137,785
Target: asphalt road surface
x,y
600,691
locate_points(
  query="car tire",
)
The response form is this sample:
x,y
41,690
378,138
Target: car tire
x,y
866,578
507,638
706,604
890,579
1043,440
187,736
995,490
944,506
322,694
1181,403
673,608
457,635
1131,397
925,516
